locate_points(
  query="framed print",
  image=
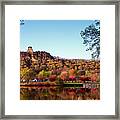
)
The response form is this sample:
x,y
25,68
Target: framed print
x,y
60,60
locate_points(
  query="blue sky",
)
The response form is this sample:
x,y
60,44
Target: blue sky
x,y
58,37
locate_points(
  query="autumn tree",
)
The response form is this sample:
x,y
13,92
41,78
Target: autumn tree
x,y
91,37
27,74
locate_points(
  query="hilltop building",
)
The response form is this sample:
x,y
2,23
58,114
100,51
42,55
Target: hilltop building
x,y
29,58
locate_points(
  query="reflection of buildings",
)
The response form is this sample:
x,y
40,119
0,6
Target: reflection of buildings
x,y
30,57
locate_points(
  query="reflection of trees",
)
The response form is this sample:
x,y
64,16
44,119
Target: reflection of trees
x,y
45,93
25,94
58,93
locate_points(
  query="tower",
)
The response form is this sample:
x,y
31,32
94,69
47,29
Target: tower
x,y
30,54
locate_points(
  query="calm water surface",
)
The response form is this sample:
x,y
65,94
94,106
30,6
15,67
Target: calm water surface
x,y
58,93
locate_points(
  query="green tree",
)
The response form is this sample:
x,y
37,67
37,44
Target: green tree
x,y
43,74
91,37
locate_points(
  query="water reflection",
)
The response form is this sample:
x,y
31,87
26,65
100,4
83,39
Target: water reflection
x,y
58,93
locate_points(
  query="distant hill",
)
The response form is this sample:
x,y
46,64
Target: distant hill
x,y
40,56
